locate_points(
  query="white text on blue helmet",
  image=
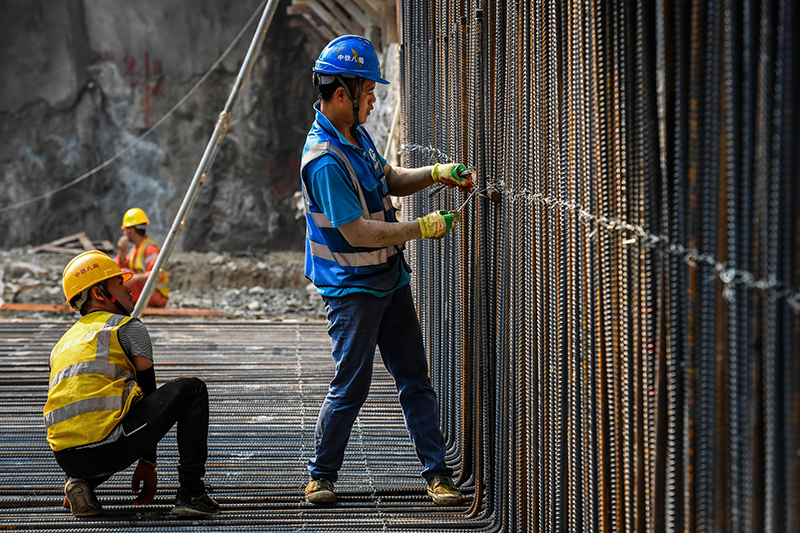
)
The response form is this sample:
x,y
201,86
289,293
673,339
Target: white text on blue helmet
x,y
348,57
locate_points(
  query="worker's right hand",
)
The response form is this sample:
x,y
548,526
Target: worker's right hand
x,y
436,225
122,244
144,475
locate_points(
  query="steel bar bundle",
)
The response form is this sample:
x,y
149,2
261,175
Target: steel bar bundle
x,y
614,326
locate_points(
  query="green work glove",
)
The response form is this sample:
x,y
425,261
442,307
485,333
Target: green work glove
x,y
453,175
436,225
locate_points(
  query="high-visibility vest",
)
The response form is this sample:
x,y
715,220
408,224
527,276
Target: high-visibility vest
x,y
330,260
137,262
92,382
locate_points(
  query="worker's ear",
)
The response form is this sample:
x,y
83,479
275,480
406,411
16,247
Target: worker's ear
x,y
97,293
341,94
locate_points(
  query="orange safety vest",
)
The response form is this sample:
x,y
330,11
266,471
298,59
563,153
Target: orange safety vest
x,y
137,262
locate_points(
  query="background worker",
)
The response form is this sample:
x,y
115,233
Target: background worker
x,y
141,258
354,256
103,409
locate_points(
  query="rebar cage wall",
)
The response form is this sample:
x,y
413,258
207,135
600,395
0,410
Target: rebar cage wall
x,y
615,335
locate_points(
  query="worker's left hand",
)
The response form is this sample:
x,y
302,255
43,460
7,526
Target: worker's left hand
x,y
145,475
453,175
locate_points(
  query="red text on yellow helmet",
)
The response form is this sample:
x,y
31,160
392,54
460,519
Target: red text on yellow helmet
x,y
87,270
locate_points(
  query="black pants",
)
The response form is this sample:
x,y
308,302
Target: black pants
x,y
183,400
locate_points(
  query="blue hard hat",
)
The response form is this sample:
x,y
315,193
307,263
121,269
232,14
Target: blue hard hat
x,y
349,55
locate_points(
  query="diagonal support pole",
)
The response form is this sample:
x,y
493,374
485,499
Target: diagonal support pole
x,y
207,160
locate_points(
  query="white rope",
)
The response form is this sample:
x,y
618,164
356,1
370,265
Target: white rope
x,y
298,354
692,256
155,126
376,499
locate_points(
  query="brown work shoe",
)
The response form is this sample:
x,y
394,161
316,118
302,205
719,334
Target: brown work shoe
x,y
443,492
320,491
80,496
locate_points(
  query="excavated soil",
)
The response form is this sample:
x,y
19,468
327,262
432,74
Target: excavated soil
x,y
247,285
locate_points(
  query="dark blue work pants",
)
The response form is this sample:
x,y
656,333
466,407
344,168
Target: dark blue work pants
x,y
356,324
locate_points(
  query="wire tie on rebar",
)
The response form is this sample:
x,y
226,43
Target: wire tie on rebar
x,y
224,121
766,284
691,257
794,303
785,293
728,294
629,241
676,249
728,275
708,260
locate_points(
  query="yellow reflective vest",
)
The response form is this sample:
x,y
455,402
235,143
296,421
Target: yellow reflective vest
x,y
92,382
138,263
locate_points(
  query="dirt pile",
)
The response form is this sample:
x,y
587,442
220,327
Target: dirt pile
x,y
242,285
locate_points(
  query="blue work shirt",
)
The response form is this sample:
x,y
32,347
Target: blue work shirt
x,y
332,191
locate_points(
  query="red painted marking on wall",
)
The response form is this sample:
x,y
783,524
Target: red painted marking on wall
x,y
130,69
151,90
156,91
146,89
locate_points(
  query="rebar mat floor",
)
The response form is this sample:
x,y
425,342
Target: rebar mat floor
x,y
266,383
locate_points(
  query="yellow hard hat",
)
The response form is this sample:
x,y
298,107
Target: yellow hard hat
x,y
88,269
133,217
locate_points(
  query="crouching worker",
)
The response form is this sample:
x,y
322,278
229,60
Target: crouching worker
x,y
103,409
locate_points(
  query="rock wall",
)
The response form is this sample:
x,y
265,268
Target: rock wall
x,y
82,79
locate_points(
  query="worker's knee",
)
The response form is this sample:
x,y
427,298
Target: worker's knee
x,y
190,387
198,385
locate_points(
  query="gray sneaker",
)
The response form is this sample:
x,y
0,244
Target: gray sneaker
x,y
82,501
195,505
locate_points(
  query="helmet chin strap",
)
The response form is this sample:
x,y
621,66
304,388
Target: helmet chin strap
x,y
107,294
356,120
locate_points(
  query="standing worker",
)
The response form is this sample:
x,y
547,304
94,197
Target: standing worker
x,y
142,258
103,409
354,256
